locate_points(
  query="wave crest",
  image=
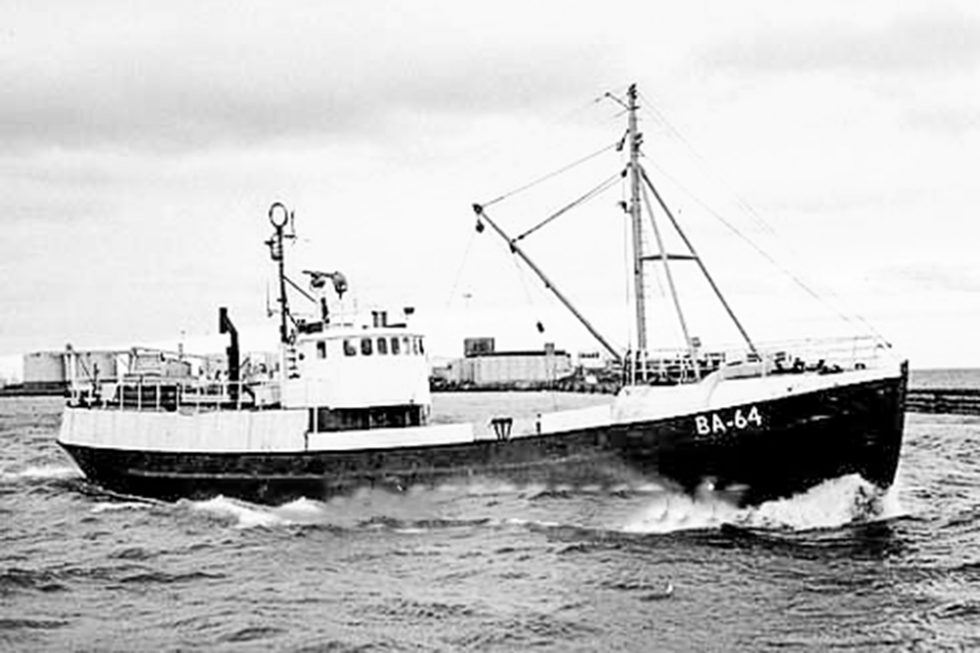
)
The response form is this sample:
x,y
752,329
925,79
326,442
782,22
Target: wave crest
x,y
41,472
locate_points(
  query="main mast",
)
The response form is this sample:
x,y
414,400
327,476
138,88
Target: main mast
x,y
634,137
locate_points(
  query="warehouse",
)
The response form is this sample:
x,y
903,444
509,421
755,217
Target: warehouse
x,y
483,366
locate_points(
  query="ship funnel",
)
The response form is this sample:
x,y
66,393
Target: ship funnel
x,y
234,364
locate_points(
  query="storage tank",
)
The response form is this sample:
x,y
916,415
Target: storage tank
x,y
44,367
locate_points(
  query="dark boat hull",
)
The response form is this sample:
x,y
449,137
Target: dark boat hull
x,y
787,446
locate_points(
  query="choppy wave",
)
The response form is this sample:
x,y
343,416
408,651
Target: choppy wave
x,y
405,514
31,624
113,506
15,579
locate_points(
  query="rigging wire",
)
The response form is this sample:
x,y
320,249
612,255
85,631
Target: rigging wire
x,y
757,219
666,266
594,192
459,270
707,168
697,259
550,175
849,319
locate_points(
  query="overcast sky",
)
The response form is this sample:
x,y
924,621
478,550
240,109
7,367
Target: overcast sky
x,y
142,143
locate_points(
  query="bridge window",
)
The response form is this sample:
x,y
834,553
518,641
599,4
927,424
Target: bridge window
x,y
421,348
382,346
415,346
406,345
394,345
324,419
366,346
321,349
349,348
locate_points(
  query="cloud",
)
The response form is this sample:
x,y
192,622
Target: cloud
x,y
145,80
931,277
941,42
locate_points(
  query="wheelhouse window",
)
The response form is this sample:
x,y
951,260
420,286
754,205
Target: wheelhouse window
x,y
406,345
349,348
382,346
321,349
415,346
366,346
322,419
394,345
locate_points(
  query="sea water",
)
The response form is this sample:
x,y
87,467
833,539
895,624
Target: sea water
x,y
489,566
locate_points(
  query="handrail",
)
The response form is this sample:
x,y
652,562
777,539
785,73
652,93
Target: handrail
x,y
183,395
827,354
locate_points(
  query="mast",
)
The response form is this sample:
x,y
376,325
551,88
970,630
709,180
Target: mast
x,y
639,181
634,137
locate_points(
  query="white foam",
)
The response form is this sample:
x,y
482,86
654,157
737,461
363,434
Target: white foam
x,y
831,504
42,472
845,500
247,515
302,506
301,511
672,512
109,506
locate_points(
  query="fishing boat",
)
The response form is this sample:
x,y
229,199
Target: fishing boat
x,y
348,405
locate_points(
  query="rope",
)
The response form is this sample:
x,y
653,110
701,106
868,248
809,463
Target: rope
x,y
459,270
550,175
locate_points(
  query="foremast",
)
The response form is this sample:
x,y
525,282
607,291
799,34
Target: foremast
x,y
634,138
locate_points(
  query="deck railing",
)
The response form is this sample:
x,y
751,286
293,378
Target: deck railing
x,y
815,354
185,395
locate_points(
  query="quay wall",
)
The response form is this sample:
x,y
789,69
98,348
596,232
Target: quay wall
x,y
956,401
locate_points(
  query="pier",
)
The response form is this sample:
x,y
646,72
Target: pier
x,y
956,401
